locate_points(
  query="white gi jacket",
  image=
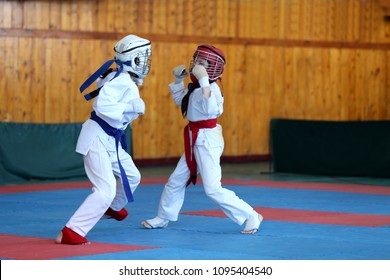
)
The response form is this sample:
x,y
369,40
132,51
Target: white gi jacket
x,y
201,108
109,105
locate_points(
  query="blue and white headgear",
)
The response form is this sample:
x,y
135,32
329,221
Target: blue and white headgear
x,y
133,54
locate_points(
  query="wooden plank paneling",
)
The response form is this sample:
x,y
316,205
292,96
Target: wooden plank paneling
x,y
324,60
11,78
23,89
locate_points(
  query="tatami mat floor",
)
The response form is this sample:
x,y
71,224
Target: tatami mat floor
x,y
306,217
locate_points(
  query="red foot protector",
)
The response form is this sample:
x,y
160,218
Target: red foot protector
x,y
310,217
117,215
72,238
16,247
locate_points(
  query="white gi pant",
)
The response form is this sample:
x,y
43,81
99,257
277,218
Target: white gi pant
x,y
208,164
102,168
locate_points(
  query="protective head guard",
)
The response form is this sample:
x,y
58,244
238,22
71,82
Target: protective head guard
x,y
133,54
212,58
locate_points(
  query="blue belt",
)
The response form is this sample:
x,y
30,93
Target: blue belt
x,y
119,136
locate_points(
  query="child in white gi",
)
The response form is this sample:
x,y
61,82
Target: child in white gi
x,y
201,104
108,166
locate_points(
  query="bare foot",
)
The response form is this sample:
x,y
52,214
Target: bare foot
x,y
252,224
59,238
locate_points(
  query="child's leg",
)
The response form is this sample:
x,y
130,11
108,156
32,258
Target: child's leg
x,y
172,197
208,160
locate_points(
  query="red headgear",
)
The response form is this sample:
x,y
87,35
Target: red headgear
x,y
212,58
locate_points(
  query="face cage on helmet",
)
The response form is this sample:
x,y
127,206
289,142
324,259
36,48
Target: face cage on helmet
x,y
213,63
141,62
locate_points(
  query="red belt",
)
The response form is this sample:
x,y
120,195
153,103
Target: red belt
x,y
190,143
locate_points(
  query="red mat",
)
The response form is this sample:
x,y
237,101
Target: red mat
x,y
317,186
352,188
64,186
16,247
309,216
44,187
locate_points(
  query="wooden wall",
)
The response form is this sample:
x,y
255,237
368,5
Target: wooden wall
x,y
305,59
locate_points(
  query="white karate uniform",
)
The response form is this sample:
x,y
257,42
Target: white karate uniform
x,y
208,149
100,155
